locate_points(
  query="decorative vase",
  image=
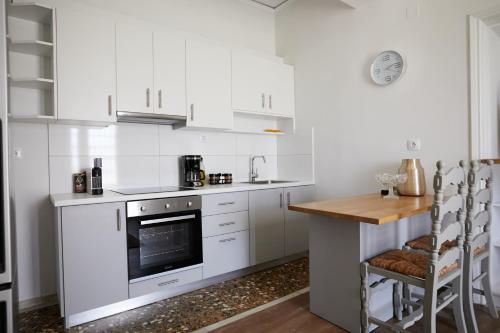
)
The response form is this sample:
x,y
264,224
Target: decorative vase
x,y
415,184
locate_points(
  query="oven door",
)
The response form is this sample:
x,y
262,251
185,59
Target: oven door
x,y
6,311
164,242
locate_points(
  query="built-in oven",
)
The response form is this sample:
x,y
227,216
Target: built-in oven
x,y
6,310
163,235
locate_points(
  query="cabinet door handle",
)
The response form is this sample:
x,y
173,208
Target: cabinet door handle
x,y
227,240
288,198
148,97
192,112
226,224
271,102
166,283
281,200
110,105
160,102
118,220
263,97
226,203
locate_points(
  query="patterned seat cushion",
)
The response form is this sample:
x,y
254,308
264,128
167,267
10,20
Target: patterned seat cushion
x,y
407,263
424,243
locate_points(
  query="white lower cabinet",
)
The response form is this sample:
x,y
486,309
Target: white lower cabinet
x,y
275,231
94,243
267,223
225,253
297,224
165,282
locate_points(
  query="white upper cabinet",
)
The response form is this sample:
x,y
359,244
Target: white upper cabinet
x,y
281,99
86,66
250,82
134,68
261,85
208,82
169,73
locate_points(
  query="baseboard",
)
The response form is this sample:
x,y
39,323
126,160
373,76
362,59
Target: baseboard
x,y
37,303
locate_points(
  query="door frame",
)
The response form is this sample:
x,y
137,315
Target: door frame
x,y
476,22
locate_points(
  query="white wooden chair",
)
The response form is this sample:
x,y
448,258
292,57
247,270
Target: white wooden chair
x,y
440,275
477,240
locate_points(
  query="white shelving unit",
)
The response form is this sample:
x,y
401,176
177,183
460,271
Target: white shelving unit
x,y
257,123
31,11
31,48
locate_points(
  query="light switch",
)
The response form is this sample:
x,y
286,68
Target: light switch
x,y
414,144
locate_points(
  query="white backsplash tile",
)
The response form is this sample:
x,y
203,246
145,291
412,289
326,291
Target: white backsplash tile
x,y
114,140
295,167
300,143
138,155
169,170
256,145
219,164
188,142
118,171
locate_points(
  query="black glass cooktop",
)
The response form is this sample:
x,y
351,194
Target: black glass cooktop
x,y
156,189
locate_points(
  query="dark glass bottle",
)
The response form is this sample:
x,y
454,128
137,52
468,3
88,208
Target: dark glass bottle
x,y
97,177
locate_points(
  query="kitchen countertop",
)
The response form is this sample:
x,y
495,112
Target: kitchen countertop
x,y
75,199
369,208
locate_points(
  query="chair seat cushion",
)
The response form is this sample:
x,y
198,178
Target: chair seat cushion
x,y
424,243
407,263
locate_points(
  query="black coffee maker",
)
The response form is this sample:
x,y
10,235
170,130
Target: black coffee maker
x,y
192,171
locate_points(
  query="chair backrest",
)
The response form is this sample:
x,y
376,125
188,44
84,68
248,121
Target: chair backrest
x,y
454,204
479,202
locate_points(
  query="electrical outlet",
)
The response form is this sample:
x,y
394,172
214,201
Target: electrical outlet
x,y
18,153
413,144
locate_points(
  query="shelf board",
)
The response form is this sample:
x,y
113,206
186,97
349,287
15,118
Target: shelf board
x,y
263,114
255,132
496,204
31,83
30,11
496,243
32,118
33,47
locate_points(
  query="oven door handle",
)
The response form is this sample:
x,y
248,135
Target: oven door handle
x,y
169,219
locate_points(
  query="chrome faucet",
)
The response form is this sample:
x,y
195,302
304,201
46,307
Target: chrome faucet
x,y
254,173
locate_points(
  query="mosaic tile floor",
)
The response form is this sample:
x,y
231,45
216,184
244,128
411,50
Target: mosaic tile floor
x,y
188,312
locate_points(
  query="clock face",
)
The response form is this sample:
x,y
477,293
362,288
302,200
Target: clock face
x,y
387,68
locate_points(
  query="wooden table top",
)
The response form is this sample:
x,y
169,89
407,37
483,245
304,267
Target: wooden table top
x,y
369,208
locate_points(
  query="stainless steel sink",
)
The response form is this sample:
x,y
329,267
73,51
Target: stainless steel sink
x,y
261,182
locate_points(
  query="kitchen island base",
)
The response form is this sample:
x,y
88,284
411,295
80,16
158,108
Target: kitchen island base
x,y
336,249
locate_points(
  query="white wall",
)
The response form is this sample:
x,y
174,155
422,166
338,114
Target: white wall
x,y
239,23
361,129
227,21
489,53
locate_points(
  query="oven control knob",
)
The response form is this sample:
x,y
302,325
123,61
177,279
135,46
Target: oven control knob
x,y
143,209
167,206
189,204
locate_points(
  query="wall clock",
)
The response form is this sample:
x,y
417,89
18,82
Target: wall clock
x,y
387,68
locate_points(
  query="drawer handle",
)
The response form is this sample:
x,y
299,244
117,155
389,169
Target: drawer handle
x,y
226,224
166,283
227,203
227,240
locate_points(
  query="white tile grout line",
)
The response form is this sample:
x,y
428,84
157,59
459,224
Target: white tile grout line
x,y
250,312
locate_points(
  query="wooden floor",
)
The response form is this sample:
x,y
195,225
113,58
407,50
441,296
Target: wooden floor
x,y
294,316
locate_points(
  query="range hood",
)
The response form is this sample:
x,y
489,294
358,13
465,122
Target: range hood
x,y
150,118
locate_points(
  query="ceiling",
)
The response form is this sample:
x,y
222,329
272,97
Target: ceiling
x,y
270,3
492,20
